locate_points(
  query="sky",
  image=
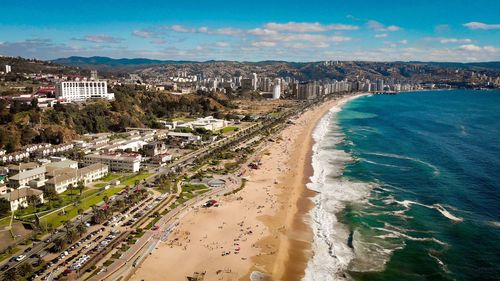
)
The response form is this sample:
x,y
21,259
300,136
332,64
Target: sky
x,y
253,30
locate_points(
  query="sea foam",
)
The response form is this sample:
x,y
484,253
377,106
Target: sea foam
x,y
332,254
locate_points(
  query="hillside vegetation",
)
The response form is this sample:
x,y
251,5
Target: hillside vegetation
x,y
134,107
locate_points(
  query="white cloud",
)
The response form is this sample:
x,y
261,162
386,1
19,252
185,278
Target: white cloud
x,y
479,25
378,26
309,37
262,32
225,31
404,42
470,47
182,29
476,48
381,35
142,33
222,44
100,39
454,40
392,28
307,46
264,44
219,31
307,27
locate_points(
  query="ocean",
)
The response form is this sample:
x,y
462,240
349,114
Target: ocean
x,y
408,188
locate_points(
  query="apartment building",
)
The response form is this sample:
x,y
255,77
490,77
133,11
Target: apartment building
x,y
127,162
83,90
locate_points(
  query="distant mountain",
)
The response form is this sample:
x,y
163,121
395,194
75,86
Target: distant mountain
x,y
22,65
111,64
139,63
492,65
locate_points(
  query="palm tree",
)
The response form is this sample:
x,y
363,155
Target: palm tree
x,y
25,269
59,244
80,213
67,225
70,188
51,195
81,229
80,186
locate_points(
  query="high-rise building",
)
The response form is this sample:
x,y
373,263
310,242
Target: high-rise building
x,y
83,90
247,84
255,81
380,85
277,89
8,68
93,75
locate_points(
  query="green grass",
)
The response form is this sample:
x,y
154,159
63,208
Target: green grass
x,y
5,221
229,129
72,211
109,177
65,198
100,185
130,180
192,187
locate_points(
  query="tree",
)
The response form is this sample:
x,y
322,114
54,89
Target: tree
x,y
51,195
11,275
80,186
33,200
81,229
70,187
25,269
80,214
98,215
4,207
59,244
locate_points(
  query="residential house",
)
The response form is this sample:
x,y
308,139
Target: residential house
x,y
19,198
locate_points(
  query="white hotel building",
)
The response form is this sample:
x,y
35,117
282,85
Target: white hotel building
x,y
83,90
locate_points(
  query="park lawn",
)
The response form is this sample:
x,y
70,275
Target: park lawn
x,y
229,129
130,180
100,185
72,211
193,187
67,197
109,177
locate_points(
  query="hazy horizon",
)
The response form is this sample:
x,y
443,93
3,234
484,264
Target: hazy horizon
x,y
447,31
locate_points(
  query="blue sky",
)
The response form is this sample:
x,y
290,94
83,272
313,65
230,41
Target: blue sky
x,y
381,30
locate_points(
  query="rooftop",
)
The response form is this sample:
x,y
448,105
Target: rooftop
x,y
28,174
21,193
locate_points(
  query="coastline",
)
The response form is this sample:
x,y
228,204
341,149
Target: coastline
x,y
295,243
267,221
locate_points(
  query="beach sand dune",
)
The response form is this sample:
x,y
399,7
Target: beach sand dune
x,y
261,230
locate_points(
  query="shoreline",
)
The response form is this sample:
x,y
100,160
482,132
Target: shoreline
x,y
264,227
295,244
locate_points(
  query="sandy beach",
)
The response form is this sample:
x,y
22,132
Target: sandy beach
x,y
263,228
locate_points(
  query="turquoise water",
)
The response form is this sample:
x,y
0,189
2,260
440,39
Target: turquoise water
x,y
432,160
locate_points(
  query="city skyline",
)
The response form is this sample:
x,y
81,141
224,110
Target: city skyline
x,y
456,31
